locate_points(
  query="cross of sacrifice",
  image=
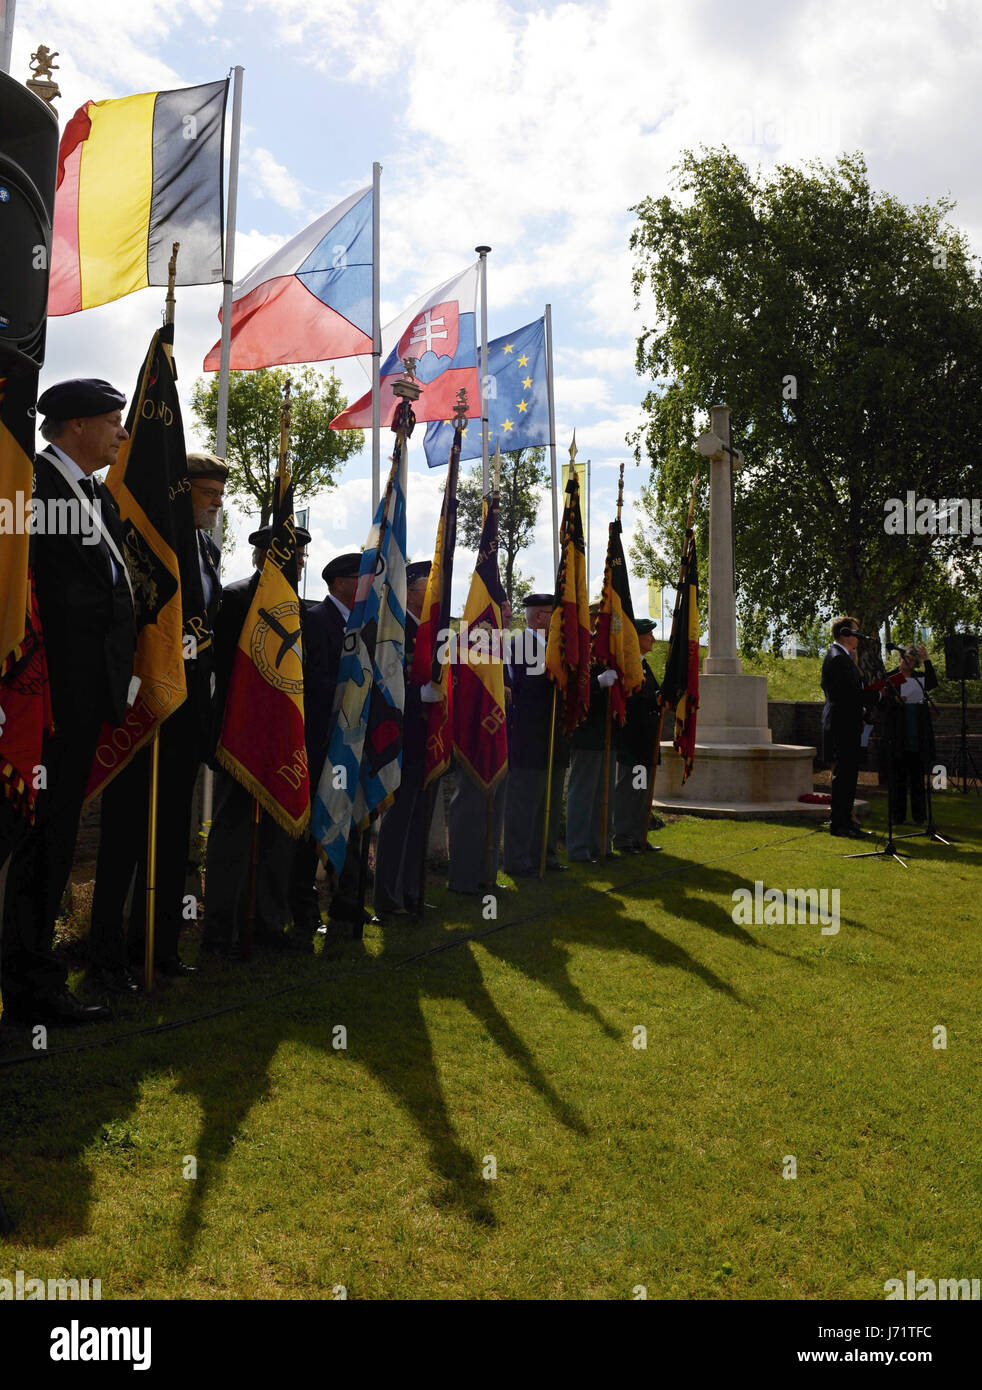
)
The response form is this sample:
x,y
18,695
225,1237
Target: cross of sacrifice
x,y
426,329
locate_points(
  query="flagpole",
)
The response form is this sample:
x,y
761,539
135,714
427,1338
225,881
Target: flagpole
x,y
545,823
482,251
150,922
550,393
376,340
7,37
221,425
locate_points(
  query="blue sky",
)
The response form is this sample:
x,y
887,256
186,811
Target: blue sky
x,y
532,128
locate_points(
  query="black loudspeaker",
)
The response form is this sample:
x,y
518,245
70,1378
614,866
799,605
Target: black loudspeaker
x,y
961,656
28,169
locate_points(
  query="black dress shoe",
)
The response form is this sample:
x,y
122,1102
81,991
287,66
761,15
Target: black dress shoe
x,y
63,1007
343,910
556,868
118,981
174,968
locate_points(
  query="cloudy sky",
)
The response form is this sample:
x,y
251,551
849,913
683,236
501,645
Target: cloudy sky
x,y
532,128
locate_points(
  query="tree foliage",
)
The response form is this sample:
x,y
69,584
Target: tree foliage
x,y
253,447
523,477
845,331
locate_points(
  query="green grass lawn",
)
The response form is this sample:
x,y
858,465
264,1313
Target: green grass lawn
x,y
616,1166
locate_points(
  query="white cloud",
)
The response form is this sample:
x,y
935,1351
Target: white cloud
x,y
270,179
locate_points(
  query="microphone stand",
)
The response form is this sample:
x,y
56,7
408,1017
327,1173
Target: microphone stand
x,y
889,850
929,830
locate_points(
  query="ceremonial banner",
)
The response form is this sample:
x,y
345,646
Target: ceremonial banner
x,y
262,739
654,600
160,545
364,760
480,737
25,716
18,394
440,332
568,643
518,402
134,176
615,640
680,688
310,301
435,620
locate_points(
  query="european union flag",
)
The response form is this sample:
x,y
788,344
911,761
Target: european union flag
x,y
518,404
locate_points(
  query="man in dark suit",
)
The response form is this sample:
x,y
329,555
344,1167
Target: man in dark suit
x,y
230,836
117,957
636,754
842,723
87,616
323,641
404,826
529,723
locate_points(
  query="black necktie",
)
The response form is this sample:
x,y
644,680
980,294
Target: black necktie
x,y
88,487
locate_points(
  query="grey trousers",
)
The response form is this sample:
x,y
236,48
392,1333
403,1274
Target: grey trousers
x,y
467,822
525,807
584,804
630,807
402,836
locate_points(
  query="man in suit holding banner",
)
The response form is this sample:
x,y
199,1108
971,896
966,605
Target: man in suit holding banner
x,y
86,608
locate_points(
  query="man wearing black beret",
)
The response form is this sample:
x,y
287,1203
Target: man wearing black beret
x,y
529,722
323,641
842,723
116,955
230,836
87,617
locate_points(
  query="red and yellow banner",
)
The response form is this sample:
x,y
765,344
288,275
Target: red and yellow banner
x,y
680,687
134,176
25,716
18,393
615,638
262,743
480,732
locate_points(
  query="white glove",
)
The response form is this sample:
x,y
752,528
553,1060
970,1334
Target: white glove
x,y
430,694
606,678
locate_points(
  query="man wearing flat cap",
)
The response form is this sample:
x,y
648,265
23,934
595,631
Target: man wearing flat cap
x,y
403,830
842,723
529,722
323,642
87,617
117,956
230,836
636,754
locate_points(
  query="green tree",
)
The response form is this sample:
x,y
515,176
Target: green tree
x,y
523,478
253,446
845,331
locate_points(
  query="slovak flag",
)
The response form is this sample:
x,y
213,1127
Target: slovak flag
x,y
310,301
440,331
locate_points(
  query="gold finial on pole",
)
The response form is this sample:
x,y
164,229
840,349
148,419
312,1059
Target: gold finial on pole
x,y
497,466
620,491
572,451
169,301
459,421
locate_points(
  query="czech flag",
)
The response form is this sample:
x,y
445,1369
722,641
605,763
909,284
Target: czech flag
x,y
440,331
310,301
134,176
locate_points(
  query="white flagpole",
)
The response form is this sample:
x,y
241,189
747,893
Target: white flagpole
x,y
552,442
221,428
7,35
228,276
482,251
376,340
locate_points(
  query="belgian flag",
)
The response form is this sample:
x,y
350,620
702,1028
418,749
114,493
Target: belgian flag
x,y
568,643
680,688
480,733
262,739
615,639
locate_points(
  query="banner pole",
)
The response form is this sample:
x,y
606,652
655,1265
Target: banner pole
x,y
551,396
482,251
150,925
376,339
